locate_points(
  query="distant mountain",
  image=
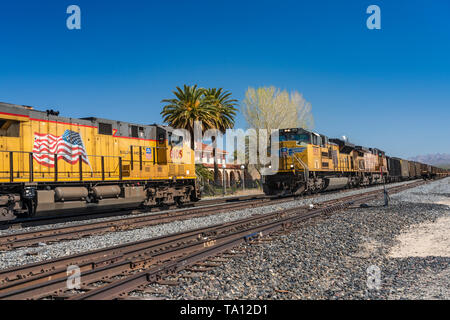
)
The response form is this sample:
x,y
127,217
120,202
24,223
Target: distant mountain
x,y
436,159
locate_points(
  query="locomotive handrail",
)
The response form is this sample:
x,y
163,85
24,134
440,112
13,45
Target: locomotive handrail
x,y
54,175
305,167
100,167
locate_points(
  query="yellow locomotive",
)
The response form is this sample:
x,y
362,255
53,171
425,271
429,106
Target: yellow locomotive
x,y
311,162
50,163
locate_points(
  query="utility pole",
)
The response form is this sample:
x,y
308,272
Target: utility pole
x,y
385,192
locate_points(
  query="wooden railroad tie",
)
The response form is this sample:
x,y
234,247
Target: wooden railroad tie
x,y
198,269
168,282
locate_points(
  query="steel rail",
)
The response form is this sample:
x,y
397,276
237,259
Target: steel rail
x,y
22,272
53,219
38,268
124,286
117,288
23,239
31,238
115,263
52,285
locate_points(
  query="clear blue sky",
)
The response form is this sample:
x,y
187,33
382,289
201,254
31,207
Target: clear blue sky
x,y
387,88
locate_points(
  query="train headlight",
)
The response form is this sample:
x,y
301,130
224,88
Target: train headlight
x,y
187,171
270,166
292,166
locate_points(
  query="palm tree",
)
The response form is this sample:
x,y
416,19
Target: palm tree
x,y
204,177
188,106
213,107
225,111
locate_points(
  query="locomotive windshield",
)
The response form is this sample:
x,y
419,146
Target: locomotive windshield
x,y
299,137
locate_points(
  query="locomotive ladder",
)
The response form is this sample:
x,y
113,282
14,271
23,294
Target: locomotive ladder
x,y
305,168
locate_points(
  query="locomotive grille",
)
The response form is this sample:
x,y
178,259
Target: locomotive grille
x,y
172,170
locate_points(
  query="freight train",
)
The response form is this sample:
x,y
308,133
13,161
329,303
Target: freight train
x,y
310,162
53,164
50,163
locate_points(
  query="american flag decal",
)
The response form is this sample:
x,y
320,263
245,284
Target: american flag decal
x,y
68,147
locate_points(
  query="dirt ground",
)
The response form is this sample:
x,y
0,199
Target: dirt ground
x,y
425,239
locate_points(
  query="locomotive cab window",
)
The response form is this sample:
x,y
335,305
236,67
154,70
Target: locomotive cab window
x,y
9,128
160,134
316,140
136,132
133,132
105,128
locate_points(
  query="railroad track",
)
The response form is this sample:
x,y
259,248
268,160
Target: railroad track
x,y
71,217
53,219
52,235
116,271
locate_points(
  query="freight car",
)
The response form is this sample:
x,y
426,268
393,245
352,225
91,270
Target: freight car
x,y
425,171
412,170
310,162
440,172
51,163
394,169
405,169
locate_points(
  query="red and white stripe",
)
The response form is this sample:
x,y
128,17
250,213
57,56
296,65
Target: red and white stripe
x,y
47,145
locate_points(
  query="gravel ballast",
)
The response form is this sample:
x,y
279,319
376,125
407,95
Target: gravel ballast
x,y
320,198
22,256
340,257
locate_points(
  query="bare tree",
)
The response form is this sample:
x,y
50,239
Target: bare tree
x,y
270,108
